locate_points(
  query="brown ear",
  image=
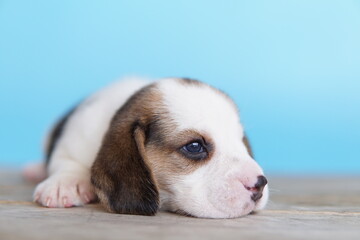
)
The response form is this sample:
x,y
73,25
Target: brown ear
x,y
120,174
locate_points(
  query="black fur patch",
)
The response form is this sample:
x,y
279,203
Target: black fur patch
x,y
57,133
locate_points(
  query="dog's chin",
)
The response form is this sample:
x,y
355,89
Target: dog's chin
x,y
219,212
220,209
249,208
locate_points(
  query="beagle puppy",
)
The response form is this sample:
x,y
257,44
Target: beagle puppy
x,y
138,146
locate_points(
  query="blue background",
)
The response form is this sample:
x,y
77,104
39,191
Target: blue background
x,y
293,68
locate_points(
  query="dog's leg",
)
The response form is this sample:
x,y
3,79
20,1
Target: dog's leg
x,y
68,186
79,135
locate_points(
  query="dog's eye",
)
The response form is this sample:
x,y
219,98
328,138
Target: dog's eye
x,y
195,151
194,147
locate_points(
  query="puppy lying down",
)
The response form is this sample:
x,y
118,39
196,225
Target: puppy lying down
x,y
175,144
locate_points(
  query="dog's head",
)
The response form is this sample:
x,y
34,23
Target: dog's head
x,y
178,143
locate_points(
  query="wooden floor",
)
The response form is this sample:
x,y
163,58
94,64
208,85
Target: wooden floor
x,y
300,208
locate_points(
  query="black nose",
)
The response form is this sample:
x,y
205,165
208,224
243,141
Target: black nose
x,y
262,181
258,189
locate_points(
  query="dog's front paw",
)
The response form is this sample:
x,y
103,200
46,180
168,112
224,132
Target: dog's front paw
x,y
64,190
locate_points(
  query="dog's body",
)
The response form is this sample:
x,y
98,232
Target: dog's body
x,y
176,144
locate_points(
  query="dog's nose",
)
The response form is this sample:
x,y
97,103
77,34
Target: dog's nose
x,y
262,181
258,188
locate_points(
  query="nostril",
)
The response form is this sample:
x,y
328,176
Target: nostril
x,y
256,196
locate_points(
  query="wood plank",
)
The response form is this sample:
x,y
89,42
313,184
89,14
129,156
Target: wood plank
x,y
300,208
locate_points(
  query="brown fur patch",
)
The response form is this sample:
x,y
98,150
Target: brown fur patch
x,y
165,157
120,174
189,81
248,146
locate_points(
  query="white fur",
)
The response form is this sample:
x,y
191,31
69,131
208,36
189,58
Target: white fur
x,y
77,148
216,190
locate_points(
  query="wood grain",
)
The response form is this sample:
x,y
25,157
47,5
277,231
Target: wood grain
x,y
300,208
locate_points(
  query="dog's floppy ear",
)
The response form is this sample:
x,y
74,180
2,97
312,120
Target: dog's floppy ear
x,y
120,174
